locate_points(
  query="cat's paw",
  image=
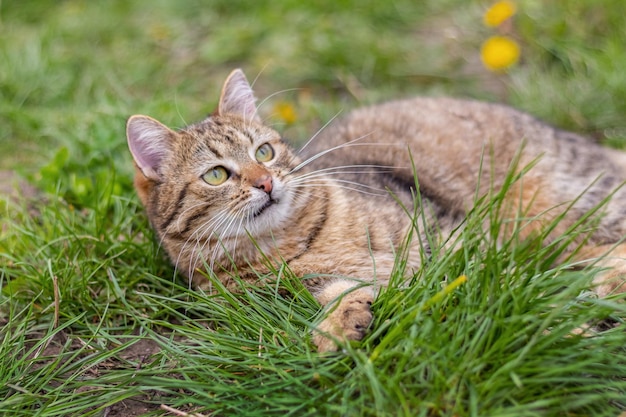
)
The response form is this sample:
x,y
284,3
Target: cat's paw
x,y
348,320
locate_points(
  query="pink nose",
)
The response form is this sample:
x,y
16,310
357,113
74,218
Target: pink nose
x,y
264,183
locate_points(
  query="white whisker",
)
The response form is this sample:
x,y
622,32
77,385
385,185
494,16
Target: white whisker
x,y
326,172
314,179
207,224
380,193
177,222
343,145
308,142
274,95
222,237
238,231
209,227
387,167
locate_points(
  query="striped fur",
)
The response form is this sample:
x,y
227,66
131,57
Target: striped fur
x,y
325,210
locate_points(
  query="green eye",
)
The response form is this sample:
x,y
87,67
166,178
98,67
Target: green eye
x,y
265,153
216,176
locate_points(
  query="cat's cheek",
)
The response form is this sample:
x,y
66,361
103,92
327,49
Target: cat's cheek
x,y
285,206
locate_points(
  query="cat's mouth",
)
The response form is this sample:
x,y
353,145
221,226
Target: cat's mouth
x,y
268,204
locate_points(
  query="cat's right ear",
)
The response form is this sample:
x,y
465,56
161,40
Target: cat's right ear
x,y
149,142
238,98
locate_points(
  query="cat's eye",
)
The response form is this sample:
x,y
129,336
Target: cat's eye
x,y
264,153
216,176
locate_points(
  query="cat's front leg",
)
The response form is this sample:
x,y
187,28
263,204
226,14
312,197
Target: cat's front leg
x,y
349,314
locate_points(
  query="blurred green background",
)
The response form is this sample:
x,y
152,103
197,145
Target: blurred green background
x,y
72,71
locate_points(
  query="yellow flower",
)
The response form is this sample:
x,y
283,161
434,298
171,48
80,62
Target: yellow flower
x,y
499,53
159,32
499,12
286,112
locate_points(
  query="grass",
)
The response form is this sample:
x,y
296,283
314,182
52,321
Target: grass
x,y
93,320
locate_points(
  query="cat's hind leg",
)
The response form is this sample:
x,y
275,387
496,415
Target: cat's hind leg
x,y
611,260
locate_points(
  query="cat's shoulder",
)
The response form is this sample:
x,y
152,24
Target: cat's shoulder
x,y
442,113
442,105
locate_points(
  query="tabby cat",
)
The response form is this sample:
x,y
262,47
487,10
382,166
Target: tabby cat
x,y
228,195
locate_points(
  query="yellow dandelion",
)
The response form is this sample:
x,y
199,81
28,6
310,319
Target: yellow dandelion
x,y
499,53
285,112
499,12
159,32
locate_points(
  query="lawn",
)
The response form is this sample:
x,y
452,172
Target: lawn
x,y
93,319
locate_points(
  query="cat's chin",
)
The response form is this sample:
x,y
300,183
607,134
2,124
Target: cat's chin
x,y
271,214
270,211
265,207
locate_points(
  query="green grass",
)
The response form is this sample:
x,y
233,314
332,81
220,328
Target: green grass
x,y
119,331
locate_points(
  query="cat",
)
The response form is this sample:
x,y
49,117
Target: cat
x,y
228,196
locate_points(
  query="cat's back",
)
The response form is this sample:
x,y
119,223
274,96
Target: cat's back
x,y
443,130
434,124
450,144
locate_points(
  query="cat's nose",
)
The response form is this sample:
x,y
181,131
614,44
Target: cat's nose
x,y
264,183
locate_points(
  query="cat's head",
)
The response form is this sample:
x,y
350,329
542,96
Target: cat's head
x,y
223,177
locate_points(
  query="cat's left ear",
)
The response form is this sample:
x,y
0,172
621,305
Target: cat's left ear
x,y
238,98
149,142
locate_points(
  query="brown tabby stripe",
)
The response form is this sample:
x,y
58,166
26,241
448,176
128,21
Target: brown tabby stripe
x,y
179,203
191,219
315,231
248,135
226,138
217,153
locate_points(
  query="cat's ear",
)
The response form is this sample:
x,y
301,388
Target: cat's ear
x,y
237,97
149,142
